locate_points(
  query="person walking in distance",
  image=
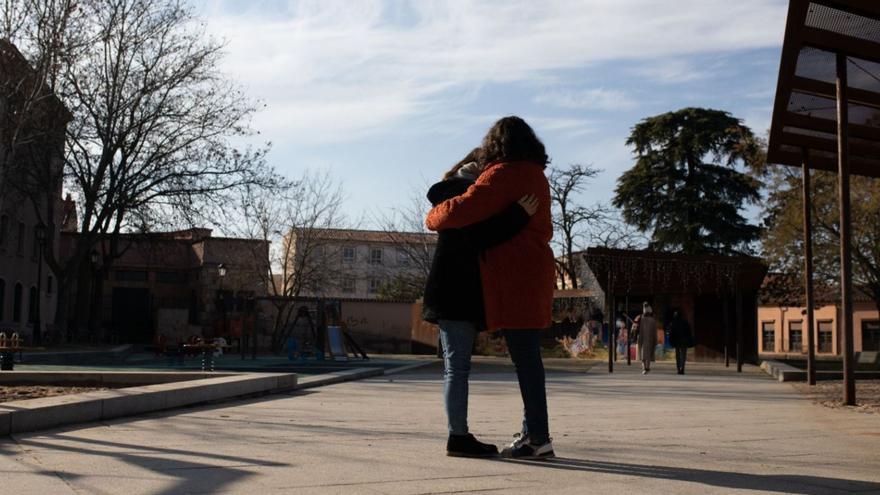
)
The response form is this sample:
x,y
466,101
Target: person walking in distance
x,y
646,328
681,338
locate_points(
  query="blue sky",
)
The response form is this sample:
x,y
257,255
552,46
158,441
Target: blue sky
x,y
388,94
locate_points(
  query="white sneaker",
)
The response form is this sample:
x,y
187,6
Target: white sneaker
x,y
523,448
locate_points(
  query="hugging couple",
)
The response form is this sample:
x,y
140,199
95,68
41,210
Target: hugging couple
x,y
493,269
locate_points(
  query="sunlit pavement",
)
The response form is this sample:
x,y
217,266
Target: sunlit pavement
x,y
711,431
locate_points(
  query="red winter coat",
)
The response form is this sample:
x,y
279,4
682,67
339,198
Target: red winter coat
x,y
519,275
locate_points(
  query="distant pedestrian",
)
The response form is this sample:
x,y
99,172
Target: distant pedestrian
x,y
645,327
519,275
454,295
621,337
681,338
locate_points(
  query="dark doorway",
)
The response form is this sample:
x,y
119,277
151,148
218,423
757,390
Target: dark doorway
x,y
871,335
709,328
132,318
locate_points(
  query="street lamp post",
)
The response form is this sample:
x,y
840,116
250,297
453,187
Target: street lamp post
x,y
40,233
221,274
94,259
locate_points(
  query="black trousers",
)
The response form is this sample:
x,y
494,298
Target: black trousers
x,y
524,347
681,356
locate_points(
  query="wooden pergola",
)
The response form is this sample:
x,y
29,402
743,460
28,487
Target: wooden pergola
x,y
827,116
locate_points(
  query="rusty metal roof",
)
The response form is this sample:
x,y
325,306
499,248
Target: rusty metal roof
x,y
804,114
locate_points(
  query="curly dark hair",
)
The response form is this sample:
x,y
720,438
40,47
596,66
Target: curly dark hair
x,y
473,156
510,140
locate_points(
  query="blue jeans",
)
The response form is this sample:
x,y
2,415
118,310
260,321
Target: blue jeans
x,y
457,338
524,347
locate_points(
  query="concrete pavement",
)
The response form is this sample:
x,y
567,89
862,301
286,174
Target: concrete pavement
x,y
710,431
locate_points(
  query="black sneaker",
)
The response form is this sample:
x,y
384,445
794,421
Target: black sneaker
x,y
523,448
468,446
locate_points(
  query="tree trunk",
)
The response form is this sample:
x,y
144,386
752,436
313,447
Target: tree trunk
x,y
59,330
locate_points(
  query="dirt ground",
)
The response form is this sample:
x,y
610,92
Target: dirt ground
x,y
21,392
830,394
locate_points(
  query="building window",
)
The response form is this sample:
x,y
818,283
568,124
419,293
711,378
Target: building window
x,y
348,254
402,257
35,247
318,252
376,256
171,277
131,275
870,335
4,229
32,305
2,298
796,336
20,247
375,284
16,303
826,337
768,336
348,285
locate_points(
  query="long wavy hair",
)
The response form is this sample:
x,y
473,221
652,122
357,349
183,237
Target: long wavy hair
x,y
511,139
473,156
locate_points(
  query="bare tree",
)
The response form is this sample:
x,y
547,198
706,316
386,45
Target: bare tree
x,y
404,227
294,220
571,219
152,120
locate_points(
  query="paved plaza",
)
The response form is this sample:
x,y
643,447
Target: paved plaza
x,y
711,431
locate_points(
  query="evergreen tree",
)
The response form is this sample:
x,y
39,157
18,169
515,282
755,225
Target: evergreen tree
x,y
687,188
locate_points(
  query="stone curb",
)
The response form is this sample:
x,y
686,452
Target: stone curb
x,y
354,374
407,367
338,377
49,412
788,373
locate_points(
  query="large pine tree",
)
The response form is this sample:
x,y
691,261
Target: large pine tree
x,y
688,187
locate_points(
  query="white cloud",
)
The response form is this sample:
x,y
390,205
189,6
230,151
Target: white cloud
x,y
331,70
590,99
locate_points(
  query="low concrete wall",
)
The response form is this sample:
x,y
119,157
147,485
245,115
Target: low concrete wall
x,y
116,354
110,379
49,412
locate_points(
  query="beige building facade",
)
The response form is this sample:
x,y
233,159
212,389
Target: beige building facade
x,y
356,264
781,330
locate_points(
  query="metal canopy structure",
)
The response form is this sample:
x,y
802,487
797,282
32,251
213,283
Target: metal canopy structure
x,y
827,116
805,111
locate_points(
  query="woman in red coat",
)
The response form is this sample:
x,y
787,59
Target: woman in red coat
x,y
518,276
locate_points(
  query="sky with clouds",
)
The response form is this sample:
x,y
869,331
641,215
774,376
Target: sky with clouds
x,y
388,94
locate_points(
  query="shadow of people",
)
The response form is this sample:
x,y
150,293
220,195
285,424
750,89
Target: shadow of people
x,y
189,471
779,483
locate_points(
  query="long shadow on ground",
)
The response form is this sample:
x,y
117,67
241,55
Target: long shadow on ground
x,y
779,483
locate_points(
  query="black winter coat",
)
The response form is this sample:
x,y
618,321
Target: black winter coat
x,y
680,333
454,290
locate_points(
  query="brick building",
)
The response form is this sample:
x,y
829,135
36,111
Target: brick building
x,y
175,284
32,127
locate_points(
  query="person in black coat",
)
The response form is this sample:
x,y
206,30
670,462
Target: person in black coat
x,y
681,338
454,295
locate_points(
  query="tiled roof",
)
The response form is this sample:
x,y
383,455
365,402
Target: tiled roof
x,y
375,236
